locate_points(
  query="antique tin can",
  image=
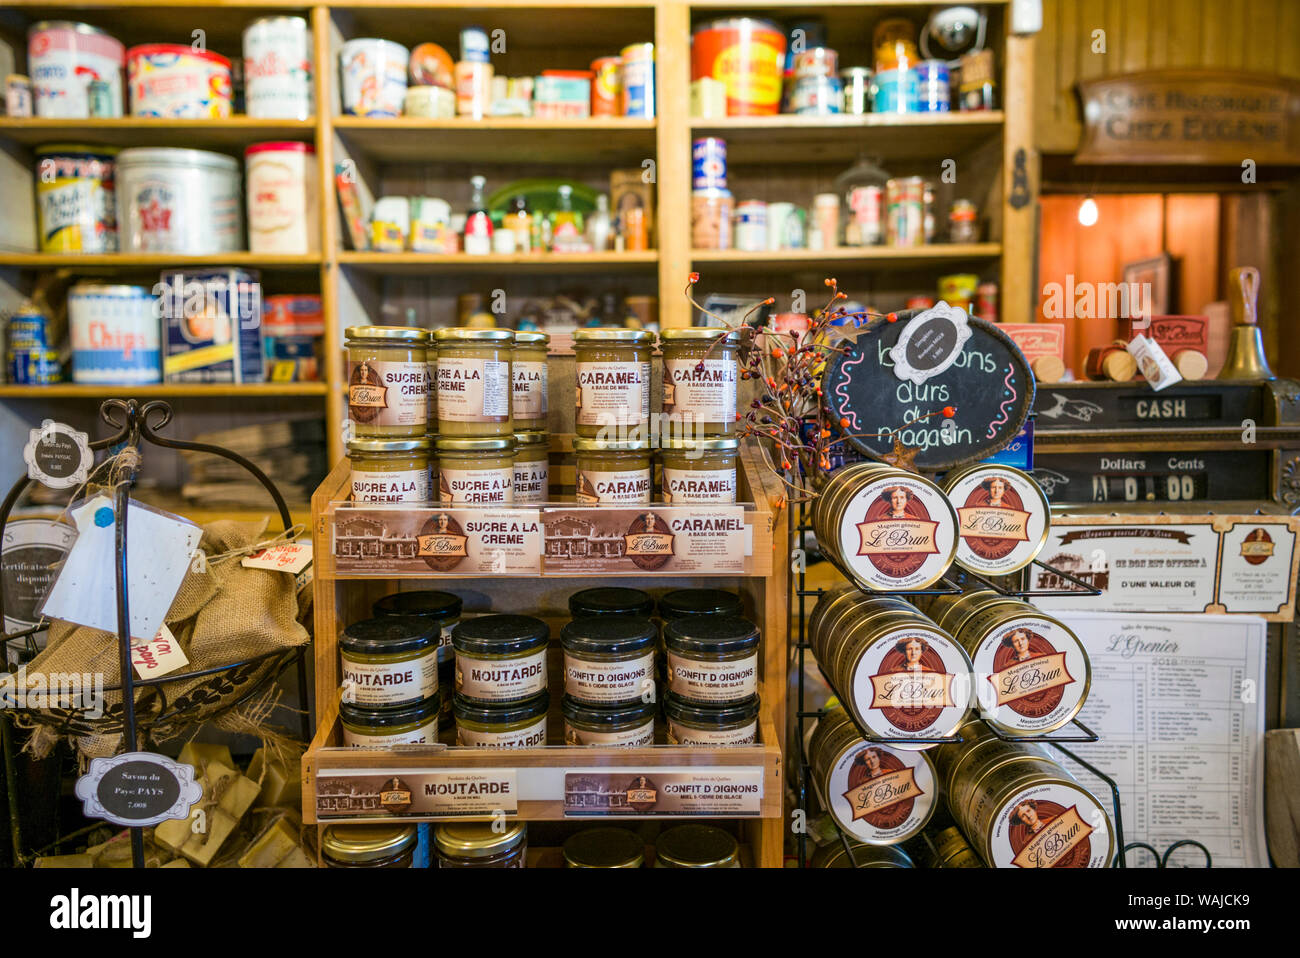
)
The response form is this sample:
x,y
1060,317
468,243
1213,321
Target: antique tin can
x,y
278,68
115,335
751,226
18,96
747,55
76,208
856,83
905,211
607,86
373,76
935,96
639,80
179,201
283,202
63,57
1003,518
709,163
951,850
176,80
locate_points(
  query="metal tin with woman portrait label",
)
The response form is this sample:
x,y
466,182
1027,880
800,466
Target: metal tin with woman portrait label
x,y
850,612
1003,518
949,849
950,611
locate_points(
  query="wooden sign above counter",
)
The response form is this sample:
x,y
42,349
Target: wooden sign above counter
x,y
1192,117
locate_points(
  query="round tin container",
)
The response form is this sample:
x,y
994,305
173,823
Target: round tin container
x,y
896,91
934,94
950,612
373,76
115,335
607,86
905,211
864,856
745,54
951,850
380,728
696,846
711,211
532,467
604,848
817,96
1003,517
480,845
178,201
638,60
433,102
709,163
687,603
513,725
278,68
387,381
619,726
856,83
369,846
175,80
611,600
751,226
885,528
63,58
609,659
500,658
879,795
476,472
76,207
711,727
712,660
390,661
282,198
390,470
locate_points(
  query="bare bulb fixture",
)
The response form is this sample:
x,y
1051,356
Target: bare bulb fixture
x,y
1088,212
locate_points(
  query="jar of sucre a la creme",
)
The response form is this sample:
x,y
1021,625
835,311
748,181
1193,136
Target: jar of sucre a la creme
x,y
387,381
707,726
699,472
500,658
389,661
612,472
609,659
509,725
474,382
700,375
620,726
612,381
379,728
528,372
712,659
532,467
390,470
476,472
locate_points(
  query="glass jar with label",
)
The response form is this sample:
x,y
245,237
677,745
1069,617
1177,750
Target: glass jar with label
x,y
476,472
442,610
369,846
700,376
609,659
431,377
705,726
480,845
612,472
528,372
696,846
387,380
532,467
620,726
612,382
699,471
379,728
390,470
712,660
513,725
474,382
604,848
500,658
687,603
389,661
611,600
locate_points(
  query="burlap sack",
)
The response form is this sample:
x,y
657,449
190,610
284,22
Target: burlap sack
x,y
223,614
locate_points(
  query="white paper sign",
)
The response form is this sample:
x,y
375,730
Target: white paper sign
x,y
291,557
159,657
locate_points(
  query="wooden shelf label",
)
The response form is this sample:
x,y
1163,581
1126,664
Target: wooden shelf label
x,y
728,792
447,793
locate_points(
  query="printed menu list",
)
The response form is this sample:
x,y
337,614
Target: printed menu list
x,y
1178,701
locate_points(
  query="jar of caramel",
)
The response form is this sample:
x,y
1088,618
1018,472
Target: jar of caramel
x,y
699,471
700,374
474,382
388,390
612,382
612,472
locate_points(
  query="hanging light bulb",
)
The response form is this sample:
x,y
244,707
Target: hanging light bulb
x,y
1088,212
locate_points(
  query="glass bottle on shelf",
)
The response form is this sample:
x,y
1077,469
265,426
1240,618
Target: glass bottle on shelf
x,y
599,226
862,212
478,225
519,221
566,225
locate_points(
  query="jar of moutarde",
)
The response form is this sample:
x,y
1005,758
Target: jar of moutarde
x,y
687,603
387,381
532,467
443,610
390,470
512,725
864,856
712,659
480,845
711,726
609,659
604,848
612,382
699,471
474,382
528,371
379,728
622,726
500,658
700,376
610,600
610,472
1003,517
476,472
696,846
389,661
369,846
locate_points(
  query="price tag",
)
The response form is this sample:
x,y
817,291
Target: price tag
x,y
158,657
138,788
291,557
57,455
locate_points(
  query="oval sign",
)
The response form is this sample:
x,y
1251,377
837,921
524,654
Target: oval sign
x,y
138,788
987,381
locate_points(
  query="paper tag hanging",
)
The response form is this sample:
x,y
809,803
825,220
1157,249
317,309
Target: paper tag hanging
x,y
57,455
159,657
291,557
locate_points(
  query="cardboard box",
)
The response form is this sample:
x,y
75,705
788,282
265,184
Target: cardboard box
x,y
212,326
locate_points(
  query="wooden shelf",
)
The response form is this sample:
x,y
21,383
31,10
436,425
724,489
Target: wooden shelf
x,y
163,390
262,261
602,141
423,263
851,258
230,134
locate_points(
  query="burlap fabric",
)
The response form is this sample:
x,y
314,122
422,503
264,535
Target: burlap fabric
x,y
224,613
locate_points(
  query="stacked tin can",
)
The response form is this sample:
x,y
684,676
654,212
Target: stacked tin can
x,y
31,356
817,88
711,201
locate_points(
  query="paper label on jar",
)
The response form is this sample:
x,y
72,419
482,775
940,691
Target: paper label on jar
x,y
611,394
700,395
388,394
685,486
431,382
426,734
629,738
707,738
881,795
531,736
476,486
369,684
406,486
599,682
1001,519
1030,671
897,532
1050,826
532,481
530,384
712,681
912,683
501,680
627,486
473,390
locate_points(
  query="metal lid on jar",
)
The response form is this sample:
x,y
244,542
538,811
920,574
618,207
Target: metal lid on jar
x,y
684,603
507,714
603,336
466,334
697,846
367,843
74,25
701,445
500,634
532,438
104,289
426,603
711,634
418,714
706,716
608,634
376,446
683,334
478,839
405,334
611,600
610,445
607,715
531,337
476,445
389,635
604,848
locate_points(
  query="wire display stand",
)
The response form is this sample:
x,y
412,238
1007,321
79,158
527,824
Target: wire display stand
x,y
135,425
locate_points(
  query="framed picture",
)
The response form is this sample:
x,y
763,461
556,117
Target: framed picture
x,y
1156,275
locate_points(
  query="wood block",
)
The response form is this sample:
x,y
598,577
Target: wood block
x,y
1282,796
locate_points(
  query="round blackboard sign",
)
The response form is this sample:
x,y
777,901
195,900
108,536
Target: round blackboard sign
x,y
138,788
896,373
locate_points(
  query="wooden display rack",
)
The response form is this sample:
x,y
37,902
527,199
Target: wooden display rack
x,y
342,599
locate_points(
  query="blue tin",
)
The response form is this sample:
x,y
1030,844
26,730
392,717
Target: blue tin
x,y
896,91
709,163
33,367
474,45
934,91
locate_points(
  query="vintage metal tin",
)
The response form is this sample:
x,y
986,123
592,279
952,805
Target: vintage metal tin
x,y
278,68
373,76
29,328
179,201
100,97
950,612
856,83
433,102
951,850
816,62
905,211
18,96
63,57
709,163
895,91
639,79
283,207
745,54
212,322
864,856
817,96
76,207
751,226
176,80
934,91
115,334
1003,517
711,219
607,86
33,367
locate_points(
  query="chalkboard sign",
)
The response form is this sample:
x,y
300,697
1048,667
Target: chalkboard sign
x,y
987,382
33,549
138,788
